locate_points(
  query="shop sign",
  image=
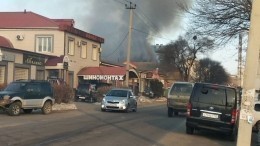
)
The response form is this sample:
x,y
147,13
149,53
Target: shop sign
x,y
33,60
104,77
8,57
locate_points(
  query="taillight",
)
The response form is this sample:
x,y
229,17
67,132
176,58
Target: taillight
x,y
189,107
234,116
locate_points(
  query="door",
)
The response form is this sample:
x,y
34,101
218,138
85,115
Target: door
x,y
33,96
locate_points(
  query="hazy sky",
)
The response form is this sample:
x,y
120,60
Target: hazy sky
x,y
155,21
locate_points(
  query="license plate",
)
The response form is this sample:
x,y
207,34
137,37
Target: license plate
x,y
210,115
82,97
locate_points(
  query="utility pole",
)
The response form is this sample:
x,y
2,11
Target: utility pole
x,y
251,78
239,68
131,6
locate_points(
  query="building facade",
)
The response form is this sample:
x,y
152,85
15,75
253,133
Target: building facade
x,y
67,49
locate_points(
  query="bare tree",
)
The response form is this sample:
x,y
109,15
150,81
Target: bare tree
x,y
221,19
182,53
210,71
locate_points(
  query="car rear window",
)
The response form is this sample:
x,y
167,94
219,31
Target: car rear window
x,y
216,95
181,89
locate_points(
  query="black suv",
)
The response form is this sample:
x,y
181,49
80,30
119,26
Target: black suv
x,y
84,92
213,107
27,95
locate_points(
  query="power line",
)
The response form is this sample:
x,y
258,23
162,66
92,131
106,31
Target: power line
x,y
117,47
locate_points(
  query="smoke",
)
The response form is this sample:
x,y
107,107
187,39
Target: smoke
x,y
152,19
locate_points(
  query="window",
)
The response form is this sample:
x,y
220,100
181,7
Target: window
x,y
212,95
21,73
2,74
44,44
84,50
71,47
94,52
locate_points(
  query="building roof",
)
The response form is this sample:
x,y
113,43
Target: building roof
x,y
4,42
26,20
102,70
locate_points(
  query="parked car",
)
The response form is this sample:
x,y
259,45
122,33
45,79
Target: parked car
x,y
119,99
213,107
178,97
148,92
84,92
27,95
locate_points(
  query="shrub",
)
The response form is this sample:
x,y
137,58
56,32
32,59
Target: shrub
x,y
2,86
157,88
63,93
101,91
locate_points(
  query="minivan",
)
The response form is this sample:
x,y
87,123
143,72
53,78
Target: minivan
x,y
213,107
178,97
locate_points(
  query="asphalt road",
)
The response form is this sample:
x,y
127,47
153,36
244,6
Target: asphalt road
x,y
88,126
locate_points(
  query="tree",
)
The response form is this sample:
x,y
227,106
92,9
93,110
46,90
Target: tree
x,y
156,87
182,53
210,71
221,19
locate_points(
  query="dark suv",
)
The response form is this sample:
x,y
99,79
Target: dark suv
x,y
84,92
213,107
27,95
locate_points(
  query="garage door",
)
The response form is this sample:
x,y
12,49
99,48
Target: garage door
x,y
21,73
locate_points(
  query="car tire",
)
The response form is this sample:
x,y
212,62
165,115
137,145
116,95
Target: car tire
x,y
135,109
189,130
47,107
27,111
170,112
14,109
127,108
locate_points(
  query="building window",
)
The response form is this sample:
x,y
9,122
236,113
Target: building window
x,y
2,74
84,50
44,44
71,47
21,73
94,52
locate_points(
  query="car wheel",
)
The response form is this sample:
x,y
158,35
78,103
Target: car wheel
x,y
27,111
170,112
135,109
176,113
14,109
127,108
47,107
189,130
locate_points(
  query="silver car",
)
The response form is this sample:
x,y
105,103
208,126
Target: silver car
x,y
119,99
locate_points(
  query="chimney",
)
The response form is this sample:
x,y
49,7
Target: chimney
x,y
24,11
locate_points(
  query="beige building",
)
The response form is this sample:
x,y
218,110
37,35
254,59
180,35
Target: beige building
x,y
68,48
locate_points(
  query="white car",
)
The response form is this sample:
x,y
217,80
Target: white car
x,y
119,99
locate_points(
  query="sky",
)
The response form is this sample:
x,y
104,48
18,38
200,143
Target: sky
x,y
155,22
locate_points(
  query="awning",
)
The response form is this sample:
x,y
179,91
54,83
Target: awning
x,y
102,73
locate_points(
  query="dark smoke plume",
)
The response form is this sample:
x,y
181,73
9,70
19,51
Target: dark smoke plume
x,y
110,20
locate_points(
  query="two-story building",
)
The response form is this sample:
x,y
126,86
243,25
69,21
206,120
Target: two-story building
x,y
64,48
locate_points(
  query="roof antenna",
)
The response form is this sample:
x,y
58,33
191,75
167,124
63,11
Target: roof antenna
x,y
24,11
